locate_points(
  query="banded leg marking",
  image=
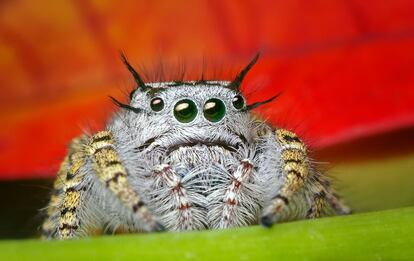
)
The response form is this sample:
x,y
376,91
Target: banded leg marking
x,y
336,203
317,204
69,222
240,177
49,227
294,165
164,174
112,173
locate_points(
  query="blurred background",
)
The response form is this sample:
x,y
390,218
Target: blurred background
x,y
345,70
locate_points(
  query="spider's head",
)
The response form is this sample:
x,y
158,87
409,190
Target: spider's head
x,y
176,114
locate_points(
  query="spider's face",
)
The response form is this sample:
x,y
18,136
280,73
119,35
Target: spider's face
x,y
192,113
197,116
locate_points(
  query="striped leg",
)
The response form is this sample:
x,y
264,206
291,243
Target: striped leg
x,y
295,170
231,199
113,175
166,176
317,204
69,223
49,228
324,196
337,205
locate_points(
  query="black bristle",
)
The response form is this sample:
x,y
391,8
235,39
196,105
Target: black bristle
x,y
235,84
125,106
257,104
137,77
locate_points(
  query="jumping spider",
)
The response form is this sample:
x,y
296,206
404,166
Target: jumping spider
x,y
185,155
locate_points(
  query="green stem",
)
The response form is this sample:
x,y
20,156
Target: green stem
x,y
385,235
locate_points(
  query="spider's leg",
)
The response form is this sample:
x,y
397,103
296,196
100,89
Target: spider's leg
x,y
324,196
72,189
335,202
164,175
232,197
113,175
294,166
49,228
318,201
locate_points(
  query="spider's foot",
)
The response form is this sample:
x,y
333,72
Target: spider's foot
x,y
272,213
158,227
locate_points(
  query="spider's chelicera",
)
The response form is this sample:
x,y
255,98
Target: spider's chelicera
x,y
185,156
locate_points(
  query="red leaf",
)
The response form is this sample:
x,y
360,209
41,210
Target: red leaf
x,y
346,68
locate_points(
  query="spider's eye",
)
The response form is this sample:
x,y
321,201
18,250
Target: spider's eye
x,y
214,110
157,104
185,111
238,102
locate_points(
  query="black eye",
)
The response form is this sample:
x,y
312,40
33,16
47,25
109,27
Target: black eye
x,y
157,104
238,102
214,110
185,111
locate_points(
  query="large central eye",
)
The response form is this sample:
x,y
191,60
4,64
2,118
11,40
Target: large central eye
x,y
214,110
185,111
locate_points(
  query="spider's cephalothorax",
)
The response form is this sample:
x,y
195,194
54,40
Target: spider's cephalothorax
x,y
185,156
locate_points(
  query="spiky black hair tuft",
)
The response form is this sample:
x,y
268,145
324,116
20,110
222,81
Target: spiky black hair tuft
x,y
235,84
257,104
125,106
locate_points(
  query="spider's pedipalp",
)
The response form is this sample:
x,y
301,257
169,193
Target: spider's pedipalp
x,y
176,196
113,175
234,201
231,198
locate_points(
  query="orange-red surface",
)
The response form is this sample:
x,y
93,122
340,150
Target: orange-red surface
x,y
346,68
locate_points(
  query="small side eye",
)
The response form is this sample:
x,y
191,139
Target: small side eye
x,y
157,104
238,102
214,110
185,111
